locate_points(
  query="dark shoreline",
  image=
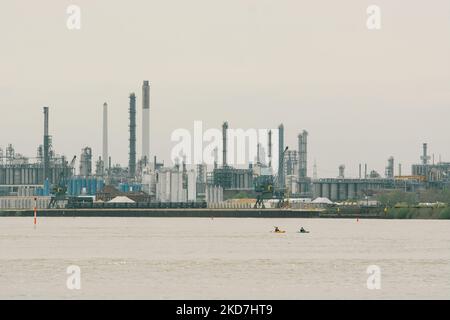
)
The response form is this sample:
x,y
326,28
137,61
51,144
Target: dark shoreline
x,y
189,213
344,213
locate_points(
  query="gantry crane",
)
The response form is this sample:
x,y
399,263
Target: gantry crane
x,y
268,187
59,190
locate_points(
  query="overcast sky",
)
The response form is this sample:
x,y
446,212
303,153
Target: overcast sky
x,y
363,95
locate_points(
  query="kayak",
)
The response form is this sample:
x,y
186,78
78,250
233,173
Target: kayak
x,y
302,231
281,231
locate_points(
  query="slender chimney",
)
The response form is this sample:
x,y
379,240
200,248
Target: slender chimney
x,y
303,154
281,156
270,148
258,160
341,171
132,155
146,121
46,145
216,156
105,156
224,148
425,157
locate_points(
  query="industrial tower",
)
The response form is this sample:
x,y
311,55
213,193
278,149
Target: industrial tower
x,y
281,182
47,142
132,154
145,121
105,138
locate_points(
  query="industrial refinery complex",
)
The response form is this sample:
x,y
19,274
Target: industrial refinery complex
x,y
50,180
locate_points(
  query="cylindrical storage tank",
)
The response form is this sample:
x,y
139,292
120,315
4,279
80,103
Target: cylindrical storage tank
x,y
216,194
74,186
46,187
100,185
351,191
317,190
359,190
326,190
79,185
94,186
88,185
334,192
83,183
342,187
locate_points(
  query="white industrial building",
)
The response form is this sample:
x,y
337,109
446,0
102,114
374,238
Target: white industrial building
x,y
24,202
169,186
214,194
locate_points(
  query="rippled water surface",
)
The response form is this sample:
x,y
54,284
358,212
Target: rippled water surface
x,y
190,258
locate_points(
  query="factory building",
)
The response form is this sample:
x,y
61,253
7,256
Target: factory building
x,y
21,179
173,185
353,189
32,174
434,174
228,177
24,202
214,194
231,178
86,162
201,170
15,169
292,185
291,163
84,185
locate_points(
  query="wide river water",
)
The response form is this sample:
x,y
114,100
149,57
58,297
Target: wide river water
x,y
195,258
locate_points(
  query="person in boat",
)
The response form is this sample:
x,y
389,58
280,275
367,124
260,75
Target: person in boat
x,y
276,229
302,230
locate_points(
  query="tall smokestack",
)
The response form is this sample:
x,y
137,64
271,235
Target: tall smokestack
x,y
46,145
341,171
303,154
216,156
390,168
270,148
105,155
224,138
425,157
281,155
132,155
258,147
146,121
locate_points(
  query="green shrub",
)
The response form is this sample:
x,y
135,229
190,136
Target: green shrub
x,y
402,213
445,214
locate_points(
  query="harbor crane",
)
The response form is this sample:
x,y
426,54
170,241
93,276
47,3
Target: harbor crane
x,y
59,190
268,187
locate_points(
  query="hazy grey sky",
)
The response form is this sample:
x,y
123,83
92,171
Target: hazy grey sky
x,y
362,95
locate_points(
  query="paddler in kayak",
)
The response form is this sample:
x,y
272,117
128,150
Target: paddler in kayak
x,y
302,230
277,230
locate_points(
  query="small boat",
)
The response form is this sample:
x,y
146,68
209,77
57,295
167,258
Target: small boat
x,y
303,231
277,230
